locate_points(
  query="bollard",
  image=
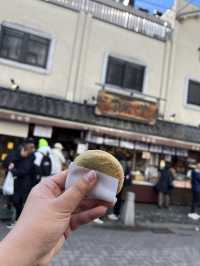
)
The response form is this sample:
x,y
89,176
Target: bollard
x,y
128,210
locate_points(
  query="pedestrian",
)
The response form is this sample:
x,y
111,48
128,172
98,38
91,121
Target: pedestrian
x,y
21,164
59,161
49,217
43,160
195,192
165,186
115,215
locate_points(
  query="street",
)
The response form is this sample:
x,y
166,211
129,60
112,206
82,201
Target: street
x,y
93,246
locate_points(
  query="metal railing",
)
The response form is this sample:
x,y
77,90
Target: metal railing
x,y
119,17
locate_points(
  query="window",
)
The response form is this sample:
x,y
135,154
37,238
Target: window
x,y
193,96
125,74
24,47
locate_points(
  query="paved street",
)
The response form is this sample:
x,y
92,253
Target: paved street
x,y
93,246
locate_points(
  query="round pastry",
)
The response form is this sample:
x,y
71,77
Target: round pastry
x,y
103,162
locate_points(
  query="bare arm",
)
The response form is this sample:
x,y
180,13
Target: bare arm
x,y
40,232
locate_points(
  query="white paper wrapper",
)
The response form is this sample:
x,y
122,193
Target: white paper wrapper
x,y
105,189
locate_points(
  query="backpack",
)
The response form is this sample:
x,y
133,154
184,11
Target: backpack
x,y
46,165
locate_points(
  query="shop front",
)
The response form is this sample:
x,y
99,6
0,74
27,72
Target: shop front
x,y
11,134
145,161
126,128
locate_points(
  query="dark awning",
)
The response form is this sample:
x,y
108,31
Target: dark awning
x,y
38,105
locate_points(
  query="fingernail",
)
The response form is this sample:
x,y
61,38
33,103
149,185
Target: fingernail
x,y
91,176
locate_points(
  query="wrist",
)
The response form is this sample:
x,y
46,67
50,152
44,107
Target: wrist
x,y
14,251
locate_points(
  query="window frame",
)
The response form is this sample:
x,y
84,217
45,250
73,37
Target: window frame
x,y
128,60
186,104
27,66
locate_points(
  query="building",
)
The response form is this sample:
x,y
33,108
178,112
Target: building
x,y
183,86
101,73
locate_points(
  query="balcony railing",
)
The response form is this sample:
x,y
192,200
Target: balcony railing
x,y
122,17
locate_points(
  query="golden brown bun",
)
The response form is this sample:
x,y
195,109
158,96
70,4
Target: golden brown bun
x,y
103,162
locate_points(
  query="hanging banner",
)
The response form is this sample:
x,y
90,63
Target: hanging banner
x,y
94,139
127,144
169,151
82,147
42,131
111,142
155,148
126,107
181,153
140,146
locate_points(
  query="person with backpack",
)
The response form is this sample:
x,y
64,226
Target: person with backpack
x,y
43,160
20,163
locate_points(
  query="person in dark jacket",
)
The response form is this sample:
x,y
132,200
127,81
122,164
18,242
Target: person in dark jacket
x,y
165,185
21,163
195,188
127,182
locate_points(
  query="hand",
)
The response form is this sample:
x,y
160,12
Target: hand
x,y
50,215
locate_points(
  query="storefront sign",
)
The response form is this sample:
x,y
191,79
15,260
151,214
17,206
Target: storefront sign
x,y
182,153
140,146
126,107
12,128
82,147
111,142
126,144
155,148
42,131
169,151
94,139
146,155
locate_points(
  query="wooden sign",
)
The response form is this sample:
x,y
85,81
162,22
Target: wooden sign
x,y
126,107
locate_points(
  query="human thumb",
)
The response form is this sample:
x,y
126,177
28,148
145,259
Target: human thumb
x,y
72,197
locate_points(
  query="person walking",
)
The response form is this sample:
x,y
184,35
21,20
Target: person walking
x,y
59,160
195,192
20,163
43,160
115,215
165,186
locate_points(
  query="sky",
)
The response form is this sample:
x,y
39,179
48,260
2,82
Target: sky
x,y
161,5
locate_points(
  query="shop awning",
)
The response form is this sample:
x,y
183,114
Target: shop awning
x,y
13,129
32,108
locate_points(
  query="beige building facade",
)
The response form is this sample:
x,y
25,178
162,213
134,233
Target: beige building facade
x,y
183,88
80,47
77,47
94,74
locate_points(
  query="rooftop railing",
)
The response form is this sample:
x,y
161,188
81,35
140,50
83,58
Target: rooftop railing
x,y
120,16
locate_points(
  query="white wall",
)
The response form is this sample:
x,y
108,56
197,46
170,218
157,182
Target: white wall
x,y
81,46
103,39
49,19
185,65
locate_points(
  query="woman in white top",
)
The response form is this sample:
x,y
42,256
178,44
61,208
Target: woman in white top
x,y
58,159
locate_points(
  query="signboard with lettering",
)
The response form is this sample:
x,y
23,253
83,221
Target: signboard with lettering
x,y
155,148
126,107
140,146
111,142
43,131
94,139
127,144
